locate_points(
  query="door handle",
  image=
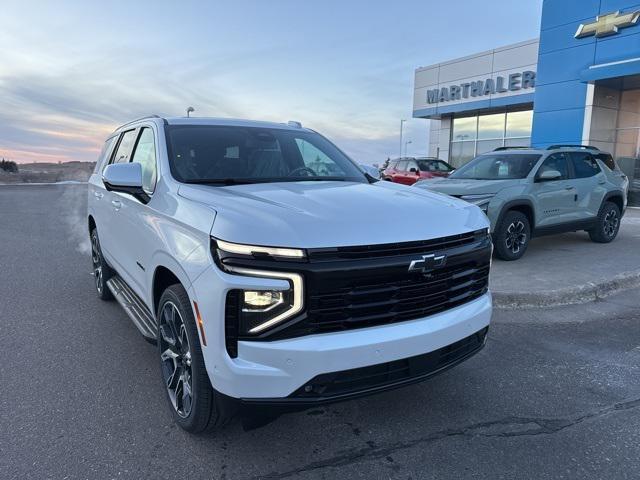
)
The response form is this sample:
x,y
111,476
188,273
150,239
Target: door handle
x,y
569,188
98,195
602,182
116,203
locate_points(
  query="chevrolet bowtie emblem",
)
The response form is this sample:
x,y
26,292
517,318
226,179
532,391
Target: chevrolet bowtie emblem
x,y
427,263
608,24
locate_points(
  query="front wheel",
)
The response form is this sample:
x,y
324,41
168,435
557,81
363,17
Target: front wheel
x,y
194,404
607,224
511,237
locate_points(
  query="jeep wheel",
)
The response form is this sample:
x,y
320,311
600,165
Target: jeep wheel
x,y
511,237
101,271
607,224
194,404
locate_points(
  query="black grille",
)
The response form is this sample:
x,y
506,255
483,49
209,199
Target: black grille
x,y
368,302
379,377
393,249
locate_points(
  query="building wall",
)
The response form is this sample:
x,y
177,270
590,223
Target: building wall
x,y
439,136
564,107
500,62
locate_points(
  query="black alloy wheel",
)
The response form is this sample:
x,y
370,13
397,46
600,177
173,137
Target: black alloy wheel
x,y
101,271
176,359
511,237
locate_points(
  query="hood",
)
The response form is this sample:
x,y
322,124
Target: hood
x,y
458,187
332,214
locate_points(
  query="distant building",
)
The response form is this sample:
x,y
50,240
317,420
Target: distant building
x,y
579,83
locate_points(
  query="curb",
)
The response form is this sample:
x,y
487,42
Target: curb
x,y
586,293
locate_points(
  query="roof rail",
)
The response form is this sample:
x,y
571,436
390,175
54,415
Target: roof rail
x,y
501,149
138,119
586,147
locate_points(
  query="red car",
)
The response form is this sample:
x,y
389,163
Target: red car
x,y
409,170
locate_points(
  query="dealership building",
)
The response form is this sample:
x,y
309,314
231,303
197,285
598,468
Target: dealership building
x,y
578,83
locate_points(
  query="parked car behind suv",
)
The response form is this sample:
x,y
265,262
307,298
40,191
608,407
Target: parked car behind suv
x,y
530,192
409,170
270,270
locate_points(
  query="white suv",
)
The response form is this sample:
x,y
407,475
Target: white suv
x,y
270,270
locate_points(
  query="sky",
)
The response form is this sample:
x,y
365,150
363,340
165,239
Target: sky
x,y
72,71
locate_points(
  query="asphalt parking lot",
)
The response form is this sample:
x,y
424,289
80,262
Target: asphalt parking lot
x,y
555,394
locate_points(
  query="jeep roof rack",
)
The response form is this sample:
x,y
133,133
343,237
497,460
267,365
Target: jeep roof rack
x,y
501,149
586,147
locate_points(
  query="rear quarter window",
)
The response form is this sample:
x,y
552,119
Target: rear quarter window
x,y
607,160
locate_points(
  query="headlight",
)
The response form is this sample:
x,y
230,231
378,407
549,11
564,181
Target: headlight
x,y
477,198
481,200
261,301
259,310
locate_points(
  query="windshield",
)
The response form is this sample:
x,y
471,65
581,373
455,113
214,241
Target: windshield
x,y
498,167
232,154
434,166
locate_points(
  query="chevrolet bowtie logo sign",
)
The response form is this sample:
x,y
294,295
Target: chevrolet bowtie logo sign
x,y
427,263
608,24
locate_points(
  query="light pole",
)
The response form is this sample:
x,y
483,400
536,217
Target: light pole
x,y
189,110
405,146
401,123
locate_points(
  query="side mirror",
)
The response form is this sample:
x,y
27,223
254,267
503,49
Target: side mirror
x,y
413,170
549,175
125,178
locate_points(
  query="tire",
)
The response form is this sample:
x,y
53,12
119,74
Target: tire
x,y
607,224
101,271
195,405
511,237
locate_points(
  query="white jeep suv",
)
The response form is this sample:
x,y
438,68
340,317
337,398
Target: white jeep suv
x,y
270,270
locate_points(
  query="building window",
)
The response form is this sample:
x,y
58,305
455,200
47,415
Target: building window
x,y
480,134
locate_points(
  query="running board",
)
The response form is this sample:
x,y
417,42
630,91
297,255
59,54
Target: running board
x,y
134,307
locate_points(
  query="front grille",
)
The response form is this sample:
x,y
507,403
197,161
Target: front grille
x,y
378,377
350,293
367,302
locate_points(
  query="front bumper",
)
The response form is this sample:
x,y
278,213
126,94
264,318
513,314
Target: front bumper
x,y
357,382
277,369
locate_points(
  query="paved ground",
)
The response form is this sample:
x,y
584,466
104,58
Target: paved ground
x,y
555,394
569,262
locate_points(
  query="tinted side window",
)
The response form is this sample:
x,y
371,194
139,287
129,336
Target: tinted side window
x,y
145,155
558,162
124,147
584,165
105,153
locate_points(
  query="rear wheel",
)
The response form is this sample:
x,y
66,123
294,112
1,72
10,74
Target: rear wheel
x,y
511,237
194,403
101,271
607,224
